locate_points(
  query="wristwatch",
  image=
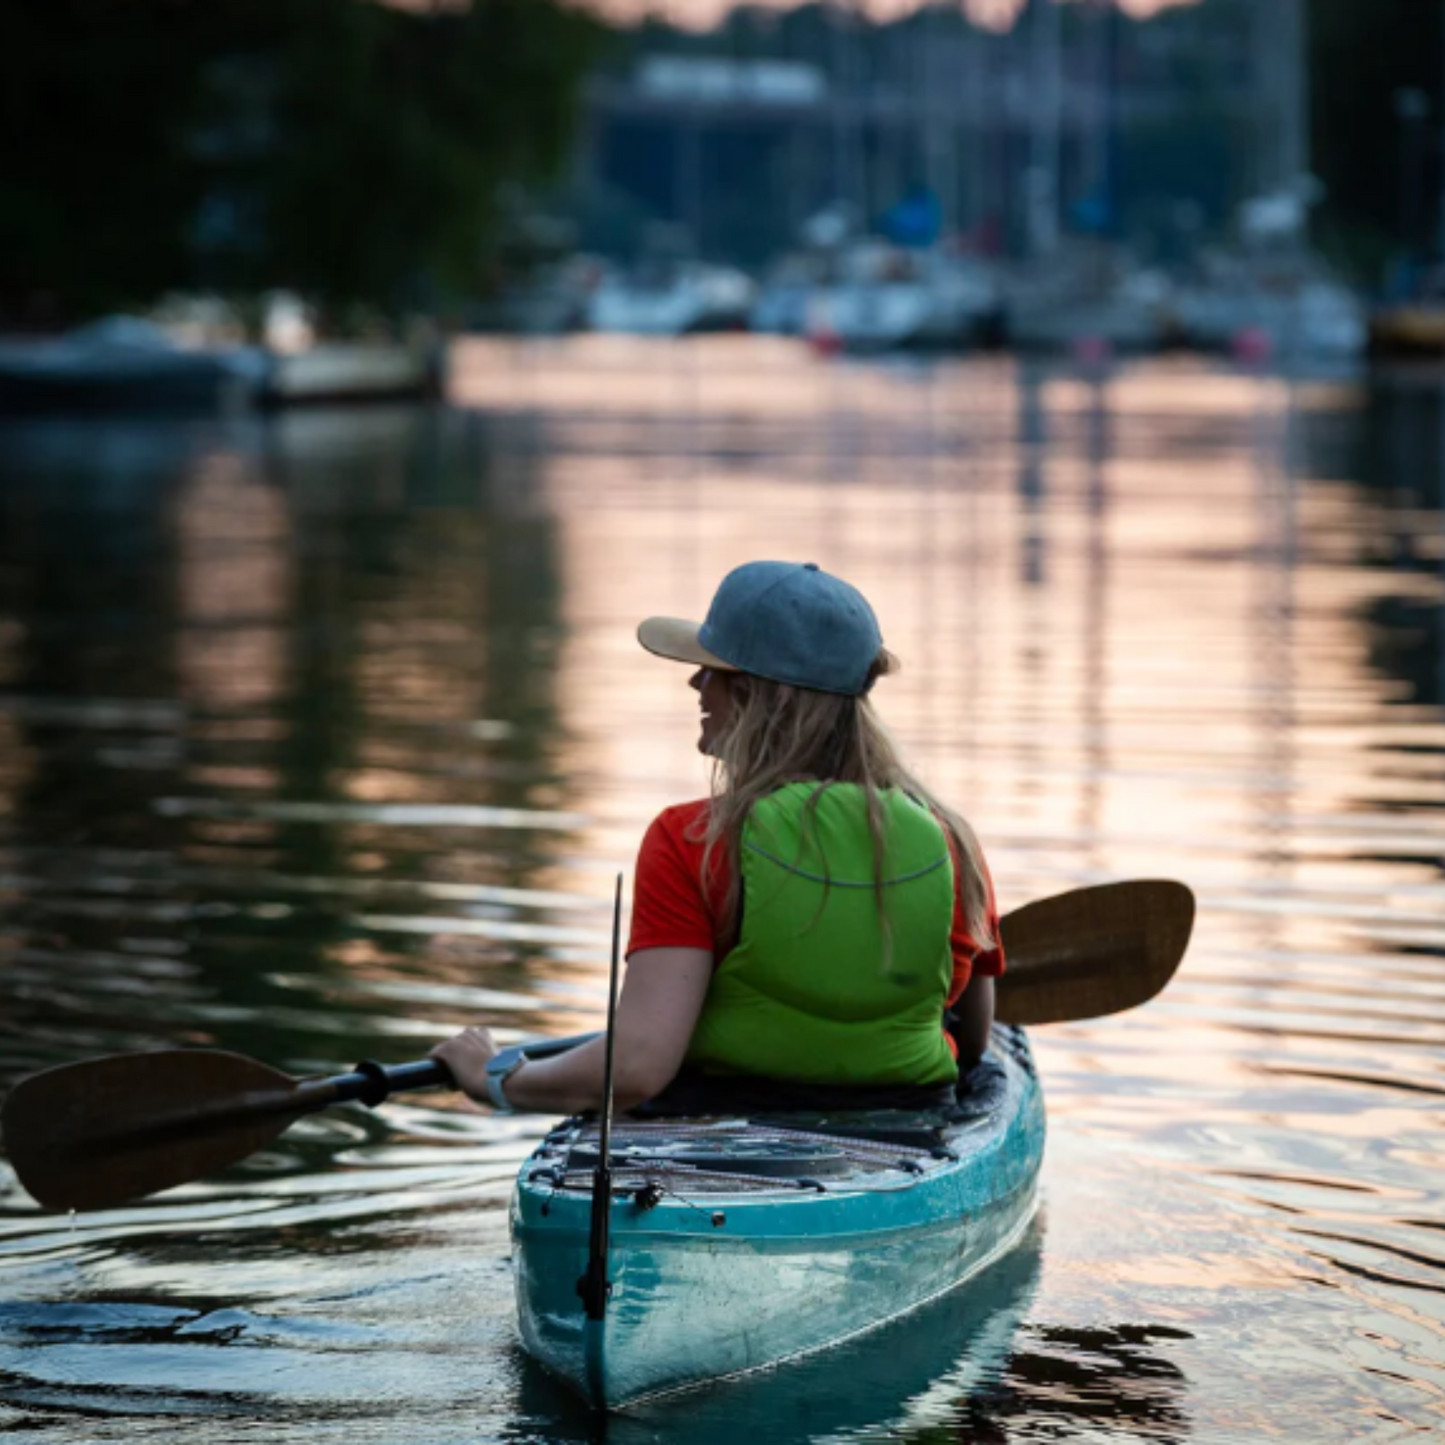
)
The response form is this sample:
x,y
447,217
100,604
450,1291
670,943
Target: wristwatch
x,y
497,1078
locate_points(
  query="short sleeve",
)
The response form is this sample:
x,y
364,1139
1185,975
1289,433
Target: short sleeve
x,y
968,958
668,906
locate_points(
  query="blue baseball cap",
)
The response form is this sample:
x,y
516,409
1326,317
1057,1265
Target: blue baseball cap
x,y
788,621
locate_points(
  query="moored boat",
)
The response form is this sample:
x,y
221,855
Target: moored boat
x,y
737,1242
125,364
889,298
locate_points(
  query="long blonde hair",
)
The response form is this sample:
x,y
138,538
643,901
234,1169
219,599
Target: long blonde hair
x,y
777,734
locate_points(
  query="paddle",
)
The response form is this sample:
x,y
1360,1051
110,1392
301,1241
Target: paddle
x,y
102,1131
98,1133
1092,952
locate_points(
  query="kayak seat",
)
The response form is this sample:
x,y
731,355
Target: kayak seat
x,y
693,1093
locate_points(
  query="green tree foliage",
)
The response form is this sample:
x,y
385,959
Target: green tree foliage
x,y
341,148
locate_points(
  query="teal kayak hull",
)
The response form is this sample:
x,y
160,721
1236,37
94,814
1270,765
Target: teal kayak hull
x,y
737,1245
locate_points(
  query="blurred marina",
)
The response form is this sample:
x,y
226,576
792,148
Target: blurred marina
x,y
1079,181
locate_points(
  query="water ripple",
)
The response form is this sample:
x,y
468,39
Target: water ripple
x,y
321,734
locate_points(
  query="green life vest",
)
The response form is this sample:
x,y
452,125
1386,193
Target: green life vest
x,y
819,989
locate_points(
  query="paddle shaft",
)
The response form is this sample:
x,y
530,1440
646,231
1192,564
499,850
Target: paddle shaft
x,y
371,1083
368,1083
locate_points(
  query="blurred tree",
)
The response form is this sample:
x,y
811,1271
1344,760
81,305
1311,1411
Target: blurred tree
x,y
1376,122
347,150
96,176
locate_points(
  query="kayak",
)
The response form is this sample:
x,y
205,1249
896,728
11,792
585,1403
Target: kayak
x,y
736,1243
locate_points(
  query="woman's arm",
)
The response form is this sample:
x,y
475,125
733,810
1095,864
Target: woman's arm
x,y
662,996
972,1019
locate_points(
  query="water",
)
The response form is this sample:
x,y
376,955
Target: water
x,y
321,735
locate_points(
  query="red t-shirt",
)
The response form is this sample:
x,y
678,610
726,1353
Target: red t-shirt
x,y
671,909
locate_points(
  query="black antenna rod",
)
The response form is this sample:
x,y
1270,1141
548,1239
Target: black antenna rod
x,y
594,1286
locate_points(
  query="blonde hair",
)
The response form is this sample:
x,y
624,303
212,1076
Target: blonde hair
x,y
777,734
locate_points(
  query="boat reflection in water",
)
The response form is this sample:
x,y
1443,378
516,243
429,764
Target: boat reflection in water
x,y
1110,1376
966,1367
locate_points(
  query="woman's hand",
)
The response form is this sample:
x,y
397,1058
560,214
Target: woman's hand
x,y
467,1055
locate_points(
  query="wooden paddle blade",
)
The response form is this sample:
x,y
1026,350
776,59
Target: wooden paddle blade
x,y
98,1133
1093,951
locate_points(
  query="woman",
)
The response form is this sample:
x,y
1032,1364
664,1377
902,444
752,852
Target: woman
x,y
798,935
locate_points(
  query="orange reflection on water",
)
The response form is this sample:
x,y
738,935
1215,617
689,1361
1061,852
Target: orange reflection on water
x,y
1211,1272
234,588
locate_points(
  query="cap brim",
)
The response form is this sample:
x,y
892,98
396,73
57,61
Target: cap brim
x,y
675,639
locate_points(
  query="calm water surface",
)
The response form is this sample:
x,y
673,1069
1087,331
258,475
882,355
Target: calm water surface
x,y
324,734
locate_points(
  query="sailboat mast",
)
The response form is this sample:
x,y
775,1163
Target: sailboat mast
x,y
1281,100
845,167
1045,139
1440,115
936,39
1295,103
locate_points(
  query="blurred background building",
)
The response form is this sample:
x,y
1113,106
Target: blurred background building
x,y
1115,174
742,133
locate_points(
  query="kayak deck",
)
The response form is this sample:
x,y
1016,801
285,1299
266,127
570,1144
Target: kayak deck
x,y
729,1156
737,1243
